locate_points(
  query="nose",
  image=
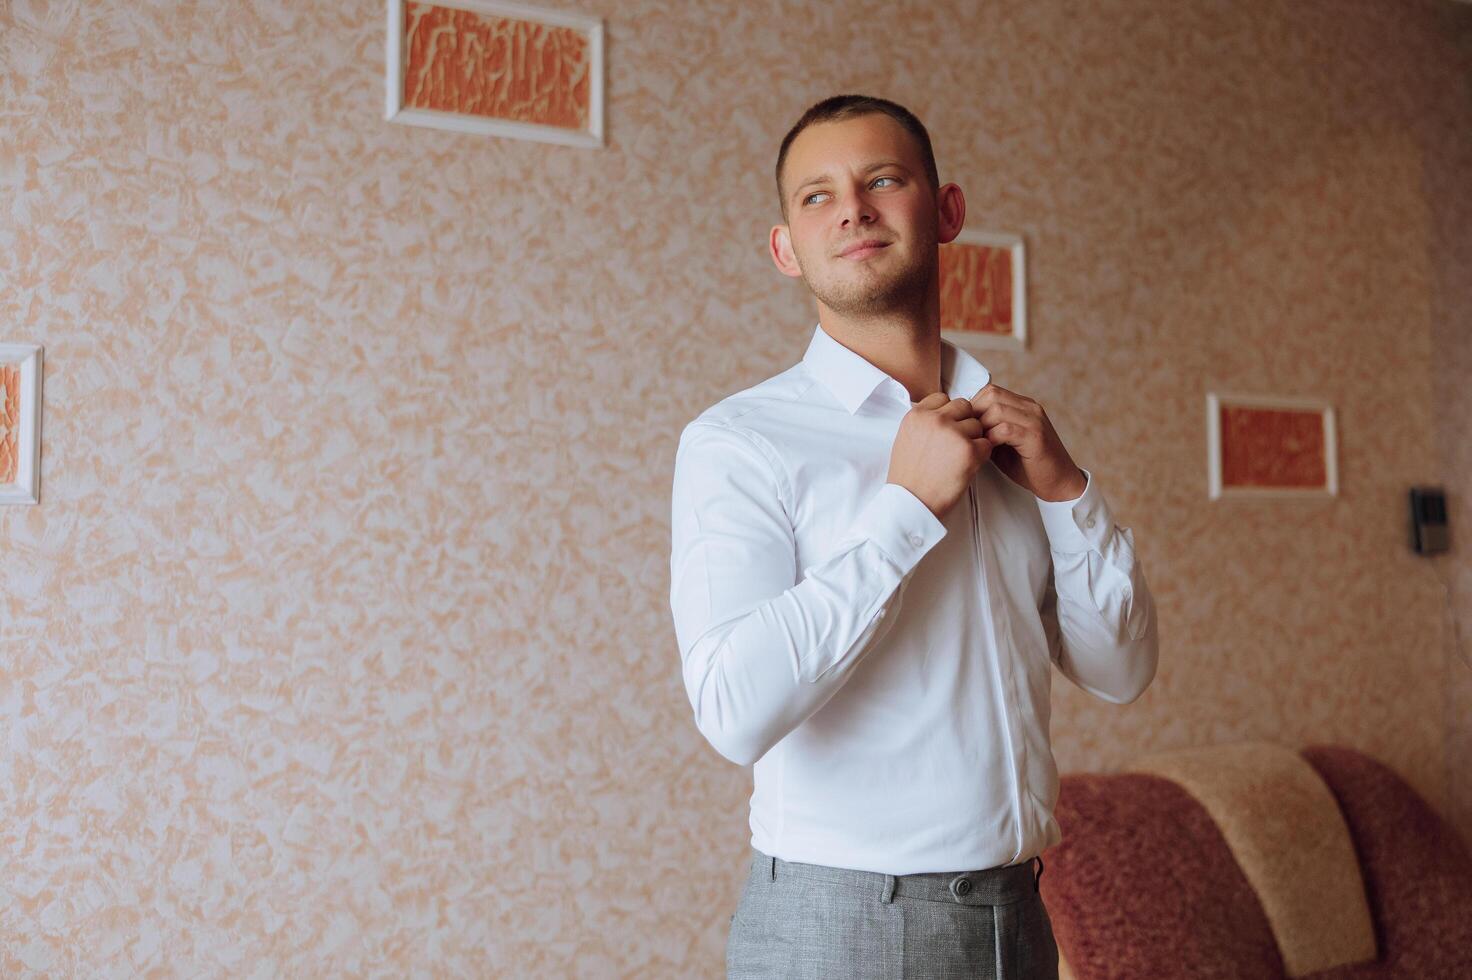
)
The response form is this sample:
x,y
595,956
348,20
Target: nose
x,y
856,210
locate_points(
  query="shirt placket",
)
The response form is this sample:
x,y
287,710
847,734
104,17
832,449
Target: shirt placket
x,y
1004,691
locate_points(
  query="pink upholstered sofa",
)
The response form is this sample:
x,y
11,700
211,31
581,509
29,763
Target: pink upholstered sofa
x,y
1255,860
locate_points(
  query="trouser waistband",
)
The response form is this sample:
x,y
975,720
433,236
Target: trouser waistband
x,y
987,886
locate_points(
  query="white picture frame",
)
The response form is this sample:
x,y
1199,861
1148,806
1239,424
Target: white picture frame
x,y
1216,488
26,488
1017,339
395,111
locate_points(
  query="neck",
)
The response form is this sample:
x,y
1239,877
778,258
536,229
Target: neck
x,y
904,344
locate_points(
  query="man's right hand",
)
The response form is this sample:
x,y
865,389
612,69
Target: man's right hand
x,y
937,451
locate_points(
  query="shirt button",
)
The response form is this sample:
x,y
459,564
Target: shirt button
x,y
916,540
1089,522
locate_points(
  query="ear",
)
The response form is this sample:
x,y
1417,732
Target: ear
x,y
950,206
781,246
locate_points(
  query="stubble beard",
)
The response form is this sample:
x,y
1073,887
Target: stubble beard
x,y
867,292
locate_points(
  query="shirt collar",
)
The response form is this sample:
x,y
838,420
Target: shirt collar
x,y
852,379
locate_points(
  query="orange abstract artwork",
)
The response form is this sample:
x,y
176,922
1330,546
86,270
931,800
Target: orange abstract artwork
x,y
1272,447
482,65
9,422
976,288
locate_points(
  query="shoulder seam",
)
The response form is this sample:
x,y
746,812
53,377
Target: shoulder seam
x,y
794,396
765,450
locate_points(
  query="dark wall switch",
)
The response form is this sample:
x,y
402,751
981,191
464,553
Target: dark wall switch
x,y
1429,531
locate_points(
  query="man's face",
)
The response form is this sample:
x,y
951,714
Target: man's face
x,y
850,181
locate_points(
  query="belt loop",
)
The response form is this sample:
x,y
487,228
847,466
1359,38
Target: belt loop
x,y
1037,885
887,895
774,867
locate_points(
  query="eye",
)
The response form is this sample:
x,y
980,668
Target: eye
x,y
812,195
878,179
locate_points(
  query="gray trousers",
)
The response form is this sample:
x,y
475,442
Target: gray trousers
x,y
808,920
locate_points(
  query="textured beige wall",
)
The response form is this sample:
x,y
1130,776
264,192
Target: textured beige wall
x,y
340,642
1448,185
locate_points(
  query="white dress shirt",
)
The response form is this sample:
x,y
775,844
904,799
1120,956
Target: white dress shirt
x,y
888,672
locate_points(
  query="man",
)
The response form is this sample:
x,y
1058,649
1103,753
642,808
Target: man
x,y
878,556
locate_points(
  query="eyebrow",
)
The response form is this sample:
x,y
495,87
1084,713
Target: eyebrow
x,y
867,170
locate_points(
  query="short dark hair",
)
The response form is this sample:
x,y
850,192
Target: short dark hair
x,y
838,107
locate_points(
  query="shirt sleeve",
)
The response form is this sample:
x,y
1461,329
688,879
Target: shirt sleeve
x,y
763,647
1098,612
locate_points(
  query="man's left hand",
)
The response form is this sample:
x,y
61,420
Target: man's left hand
x,y
1025,447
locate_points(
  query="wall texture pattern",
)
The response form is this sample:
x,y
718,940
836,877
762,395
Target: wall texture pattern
x,y
339,642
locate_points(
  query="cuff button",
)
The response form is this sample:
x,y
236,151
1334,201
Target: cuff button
x,y
916,540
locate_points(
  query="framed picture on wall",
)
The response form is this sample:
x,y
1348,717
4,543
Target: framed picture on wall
x,y
983,290
20,423
1270,446
500,69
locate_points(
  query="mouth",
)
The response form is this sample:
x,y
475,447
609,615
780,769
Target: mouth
x,y
864,249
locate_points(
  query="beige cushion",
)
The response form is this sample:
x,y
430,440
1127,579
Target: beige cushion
x,y
1284,828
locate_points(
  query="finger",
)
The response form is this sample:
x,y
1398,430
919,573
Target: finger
x,y
1004,433
971,428
999,412
957,409
933,400
990,394
1012,434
